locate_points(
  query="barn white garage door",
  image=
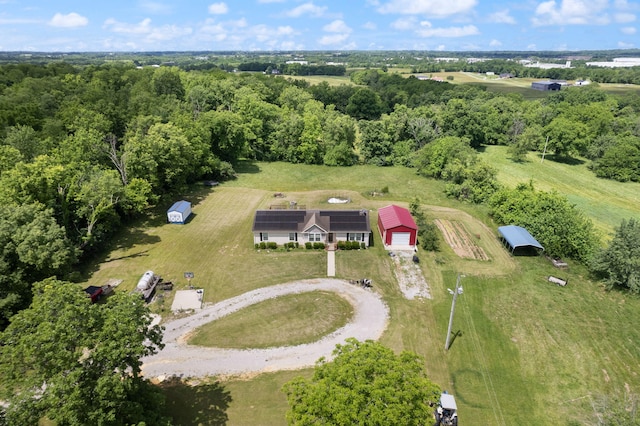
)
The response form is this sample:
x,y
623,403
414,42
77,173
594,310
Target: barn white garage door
x,y
400,238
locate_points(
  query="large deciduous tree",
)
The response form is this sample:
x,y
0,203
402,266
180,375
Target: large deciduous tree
x,y
33,246
365,384
619,264
78,363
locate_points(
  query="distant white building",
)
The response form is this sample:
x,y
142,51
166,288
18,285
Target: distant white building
x,y
617,63
297,62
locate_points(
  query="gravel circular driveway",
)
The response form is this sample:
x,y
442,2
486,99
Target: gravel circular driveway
x,y
183,360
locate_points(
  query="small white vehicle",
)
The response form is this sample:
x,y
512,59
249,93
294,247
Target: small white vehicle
x,y
447,411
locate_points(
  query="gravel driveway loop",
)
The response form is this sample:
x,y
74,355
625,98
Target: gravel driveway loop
x,y
183,360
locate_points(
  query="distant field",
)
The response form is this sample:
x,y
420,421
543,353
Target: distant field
x,y
525,351
520,85
317,79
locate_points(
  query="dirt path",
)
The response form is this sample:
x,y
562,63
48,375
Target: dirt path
x,y
180,359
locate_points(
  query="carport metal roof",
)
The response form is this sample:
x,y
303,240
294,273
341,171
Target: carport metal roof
x,y
517,236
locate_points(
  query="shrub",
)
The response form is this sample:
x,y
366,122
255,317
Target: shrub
x,y
341,245
318,245
272,245
297,244
308,245
257,246
263,245
363,246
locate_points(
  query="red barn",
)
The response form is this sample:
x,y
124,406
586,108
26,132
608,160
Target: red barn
x,y
397,227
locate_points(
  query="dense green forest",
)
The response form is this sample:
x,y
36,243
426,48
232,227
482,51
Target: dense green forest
x,y
86,148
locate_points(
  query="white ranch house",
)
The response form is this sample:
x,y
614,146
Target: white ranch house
x,y
301,226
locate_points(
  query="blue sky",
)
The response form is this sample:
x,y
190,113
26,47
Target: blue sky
x,y
447,25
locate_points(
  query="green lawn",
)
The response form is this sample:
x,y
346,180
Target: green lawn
x,y
525,351
293,319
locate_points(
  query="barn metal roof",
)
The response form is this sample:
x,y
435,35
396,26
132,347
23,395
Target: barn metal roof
x,y
393,216
517,236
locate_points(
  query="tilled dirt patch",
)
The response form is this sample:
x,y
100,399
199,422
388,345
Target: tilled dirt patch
x,y
459,240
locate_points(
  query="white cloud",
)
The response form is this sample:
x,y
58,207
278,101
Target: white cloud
x,y
147,33
142,27
271,1
502,17
218,8
628,30
306,9
239,34
155,7
370,26
428,31
339,30
623,45
571,12
168,32
428,7
71,20
332,39
495,43
337,26
404,24
440,48
624,18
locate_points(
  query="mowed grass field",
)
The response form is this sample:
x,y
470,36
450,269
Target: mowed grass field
x,y
606,202
525,351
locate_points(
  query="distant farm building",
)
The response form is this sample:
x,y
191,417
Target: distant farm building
x,y
545,85
179,212
302,226
397,228
518,238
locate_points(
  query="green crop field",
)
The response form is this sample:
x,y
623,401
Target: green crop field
x,y
525,351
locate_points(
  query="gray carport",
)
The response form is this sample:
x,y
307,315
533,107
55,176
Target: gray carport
x,y
518,237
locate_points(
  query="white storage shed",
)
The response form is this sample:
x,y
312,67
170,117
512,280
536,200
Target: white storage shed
x,y
179,212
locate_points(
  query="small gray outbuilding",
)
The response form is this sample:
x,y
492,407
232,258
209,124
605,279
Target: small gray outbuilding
x,y
546,85
179,212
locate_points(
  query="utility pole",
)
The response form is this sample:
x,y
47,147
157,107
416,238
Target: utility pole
x,y
455,293
544,152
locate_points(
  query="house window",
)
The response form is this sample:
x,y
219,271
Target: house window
x,y
355,237
264,236
293,236
315,237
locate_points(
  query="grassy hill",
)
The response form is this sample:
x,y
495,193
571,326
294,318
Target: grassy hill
x,y
606,202
525,351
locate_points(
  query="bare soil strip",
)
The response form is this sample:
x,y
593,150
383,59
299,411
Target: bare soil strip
x,y
459,240
178,358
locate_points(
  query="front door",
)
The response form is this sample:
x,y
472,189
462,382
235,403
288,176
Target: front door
x,y
330,237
